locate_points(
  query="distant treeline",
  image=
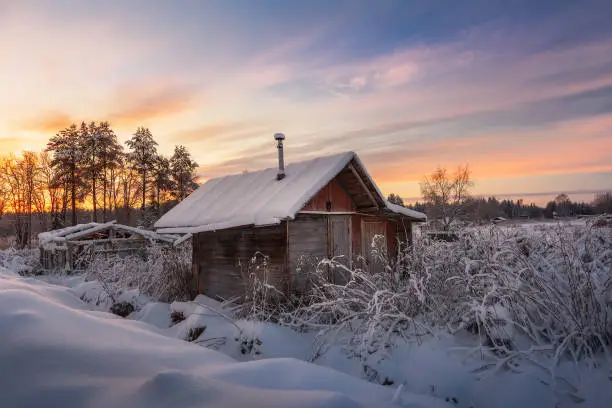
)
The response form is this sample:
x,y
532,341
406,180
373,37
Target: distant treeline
x,y
84,169
486,209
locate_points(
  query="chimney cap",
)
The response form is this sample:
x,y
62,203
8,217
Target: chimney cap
x,y
279,136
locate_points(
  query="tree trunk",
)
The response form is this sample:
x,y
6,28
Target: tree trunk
x,y
73,193
104,187
112,194
29,229
158,202
95,209
64,204
144,190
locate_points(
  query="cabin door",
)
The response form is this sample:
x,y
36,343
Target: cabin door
x,y
373,232
340,246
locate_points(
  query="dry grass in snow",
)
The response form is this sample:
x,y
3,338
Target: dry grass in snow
x,y
542,295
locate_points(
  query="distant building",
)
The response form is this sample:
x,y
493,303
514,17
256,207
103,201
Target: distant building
x,y
324,207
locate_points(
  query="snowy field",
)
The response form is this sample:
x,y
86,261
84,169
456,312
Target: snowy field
x,y
61,347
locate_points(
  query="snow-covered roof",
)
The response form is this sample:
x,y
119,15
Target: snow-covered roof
x,y
258,198
406,211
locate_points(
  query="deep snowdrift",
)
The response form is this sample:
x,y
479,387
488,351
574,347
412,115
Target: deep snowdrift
x,y
56,351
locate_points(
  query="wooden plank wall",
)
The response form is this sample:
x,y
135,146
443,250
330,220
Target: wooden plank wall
x,y
220,256
356,234
335,195
307,237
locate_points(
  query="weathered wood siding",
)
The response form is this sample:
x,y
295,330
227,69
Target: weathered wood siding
x,y
307,242
332,197
220,258
356,234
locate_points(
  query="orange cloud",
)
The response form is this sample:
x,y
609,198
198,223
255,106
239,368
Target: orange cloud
x,y
237,130
10,145
18,144
496,158
47,122
153,99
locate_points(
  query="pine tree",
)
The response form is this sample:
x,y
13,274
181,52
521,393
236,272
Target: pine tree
x,y
67,165
142,158
92,147
183,172
110,159
161,180
395,199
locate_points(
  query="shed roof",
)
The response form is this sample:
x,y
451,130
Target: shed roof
x,y
258,198
48,239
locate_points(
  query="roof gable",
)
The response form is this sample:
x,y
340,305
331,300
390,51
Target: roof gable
x,y
258,198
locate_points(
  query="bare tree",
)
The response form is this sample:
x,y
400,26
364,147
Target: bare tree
x,y
29,171
19,178
53,190
446,195
3,190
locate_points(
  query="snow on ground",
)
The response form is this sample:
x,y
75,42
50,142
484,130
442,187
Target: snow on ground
x,y
57,350
439,366
85,355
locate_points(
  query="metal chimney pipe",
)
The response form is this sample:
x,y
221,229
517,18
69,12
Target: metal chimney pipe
x,y
279,137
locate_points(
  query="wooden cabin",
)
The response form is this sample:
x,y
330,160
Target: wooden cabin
x,y
325,207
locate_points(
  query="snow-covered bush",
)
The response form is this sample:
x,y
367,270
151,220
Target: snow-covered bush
x,y
23,261
549,289
524,292
262,301
161,272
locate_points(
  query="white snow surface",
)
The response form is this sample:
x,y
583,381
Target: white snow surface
x,y
405,211
258,198
56,351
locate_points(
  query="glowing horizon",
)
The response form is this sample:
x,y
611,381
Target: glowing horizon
x,y
522,94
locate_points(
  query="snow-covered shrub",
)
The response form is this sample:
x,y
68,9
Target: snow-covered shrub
x,y
262,301
522,291
23,261
550,288
366,313
161,272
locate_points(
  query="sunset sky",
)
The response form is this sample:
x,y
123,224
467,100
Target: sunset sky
x,y
519,90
